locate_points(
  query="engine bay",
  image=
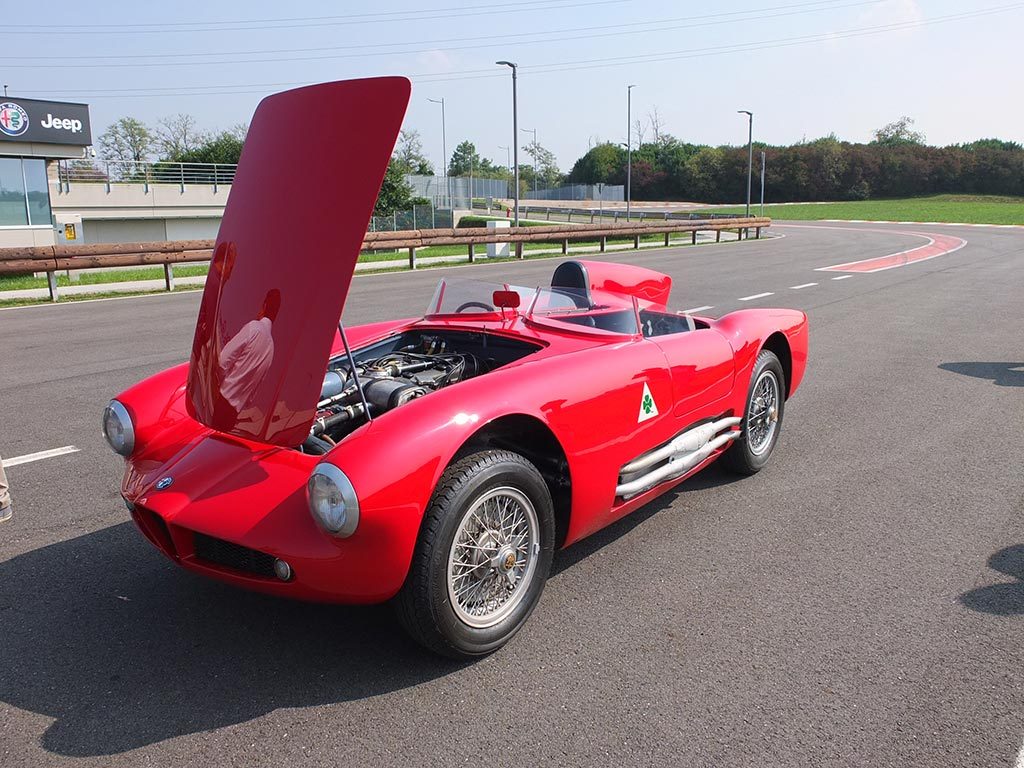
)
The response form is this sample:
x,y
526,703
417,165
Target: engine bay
x,y
398,370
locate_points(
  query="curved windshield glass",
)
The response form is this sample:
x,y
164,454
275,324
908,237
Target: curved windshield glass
x,y
600,314
604,313
459,296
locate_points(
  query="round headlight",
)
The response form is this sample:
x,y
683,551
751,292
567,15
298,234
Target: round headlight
x,y
118,428
332,500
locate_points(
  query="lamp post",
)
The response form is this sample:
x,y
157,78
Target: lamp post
x,y
750,152
515,137
762,182
444,152
629,148
508,157
534,132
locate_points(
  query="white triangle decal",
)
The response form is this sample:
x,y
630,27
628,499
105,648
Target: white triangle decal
x,y
648,408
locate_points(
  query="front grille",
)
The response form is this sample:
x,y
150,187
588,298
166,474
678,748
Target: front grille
x,y
154,528
233,556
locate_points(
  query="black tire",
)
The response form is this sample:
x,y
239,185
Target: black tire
x,y
740,458
423,606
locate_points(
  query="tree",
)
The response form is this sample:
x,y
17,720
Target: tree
x,y
465,160
224,148
395,192
639,131
409,154
548,174
603,164
899,133
657,124
178,135
127,140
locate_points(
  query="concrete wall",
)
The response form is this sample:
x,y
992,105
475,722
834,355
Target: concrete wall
x,y
132,201
22,237
125,213
146,230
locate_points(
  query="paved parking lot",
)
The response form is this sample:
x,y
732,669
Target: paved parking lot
x,y
860,602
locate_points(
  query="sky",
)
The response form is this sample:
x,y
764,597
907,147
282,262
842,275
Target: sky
x,y
806,69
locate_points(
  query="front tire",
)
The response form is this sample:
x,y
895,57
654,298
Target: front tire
x,y
762,419
483,556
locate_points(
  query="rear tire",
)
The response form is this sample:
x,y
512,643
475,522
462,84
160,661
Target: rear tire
x,y
762,418
483,556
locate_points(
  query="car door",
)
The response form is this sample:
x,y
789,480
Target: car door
x,y
701,364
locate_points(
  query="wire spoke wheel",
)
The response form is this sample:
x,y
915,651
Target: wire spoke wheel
x,y
493,557
763,417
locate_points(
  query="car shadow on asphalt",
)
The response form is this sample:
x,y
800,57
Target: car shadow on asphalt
x,y
1005,598
123,649
713,476
1001,374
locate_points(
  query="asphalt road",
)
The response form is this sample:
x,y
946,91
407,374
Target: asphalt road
x,y
858,603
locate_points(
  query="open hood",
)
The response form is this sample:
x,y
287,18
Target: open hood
x,y
312,165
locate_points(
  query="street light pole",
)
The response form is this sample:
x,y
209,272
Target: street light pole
x,y
750,153
629,148
515,137
444,153
508,157
534,132
762,182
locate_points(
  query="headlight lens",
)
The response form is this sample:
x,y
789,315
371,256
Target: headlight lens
x,y
118,428
332,500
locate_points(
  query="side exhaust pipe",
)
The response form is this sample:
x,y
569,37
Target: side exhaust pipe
x,y
678,463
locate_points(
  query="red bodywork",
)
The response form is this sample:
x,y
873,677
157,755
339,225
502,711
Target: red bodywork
x,y
237,476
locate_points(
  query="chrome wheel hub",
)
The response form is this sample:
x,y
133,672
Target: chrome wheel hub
x,y
763,415
493,557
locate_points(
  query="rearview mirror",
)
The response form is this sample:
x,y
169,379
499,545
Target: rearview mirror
x,y
506,299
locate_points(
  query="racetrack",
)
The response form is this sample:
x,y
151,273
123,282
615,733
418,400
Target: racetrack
x,y
859,602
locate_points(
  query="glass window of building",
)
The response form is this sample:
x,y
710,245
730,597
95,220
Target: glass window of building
x,y
24,194
12,193
36,191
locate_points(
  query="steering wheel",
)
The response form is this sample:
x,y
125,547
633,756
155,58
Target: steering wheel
x,y
474,305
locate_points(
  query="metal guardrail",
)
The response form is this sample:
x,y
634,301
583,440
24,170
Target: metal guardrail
x,y
55,258
619,215
126,172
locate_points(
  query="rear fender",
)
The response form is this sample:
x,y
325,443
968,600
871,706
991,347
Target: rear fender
x,y
747,330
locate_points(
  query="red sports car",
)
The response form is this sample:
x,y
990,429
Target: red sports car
x,y
438,461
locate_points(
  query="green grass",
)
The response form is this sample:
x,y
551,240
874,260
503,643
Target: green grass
x,y
19,282
967,209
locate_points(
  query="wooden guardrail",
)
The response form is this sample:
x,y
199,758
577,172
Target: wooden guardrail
x,y
58,258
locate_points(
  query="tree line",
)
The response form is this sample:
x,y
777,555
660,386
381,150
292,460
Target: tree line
x,y
896,163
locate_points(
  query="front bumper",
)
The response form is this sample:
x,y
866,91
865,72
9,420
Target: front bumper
x,y
233,509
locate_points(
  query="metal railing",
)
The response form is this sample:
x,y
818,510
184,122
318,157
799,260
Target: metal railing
x,y
128,172
617,215
54,258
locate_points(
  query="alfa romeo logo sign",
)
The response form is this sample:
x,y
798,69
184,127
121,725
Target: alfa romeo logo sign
x,y
13,119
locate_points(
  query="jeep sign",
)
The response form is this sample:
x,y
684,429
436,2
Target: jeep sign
x,y
47,122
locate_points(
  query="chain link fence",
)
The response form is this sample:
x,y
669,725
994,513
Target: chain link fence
x,y
419,217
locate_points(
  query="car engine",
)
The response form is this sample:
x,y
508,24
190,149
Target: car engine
x,y
386,382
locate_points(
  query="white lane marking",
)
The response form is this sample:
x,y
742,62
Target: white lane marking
x,y
28,458
798,287
755,296
697,309
842,277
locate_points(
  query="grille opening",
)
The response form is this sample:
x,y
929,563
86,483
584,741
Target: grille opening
x,y
234,556
155,529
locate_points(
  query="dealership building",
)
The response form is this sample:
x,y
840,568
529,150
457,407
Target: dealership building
x,y
54,192
34,136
